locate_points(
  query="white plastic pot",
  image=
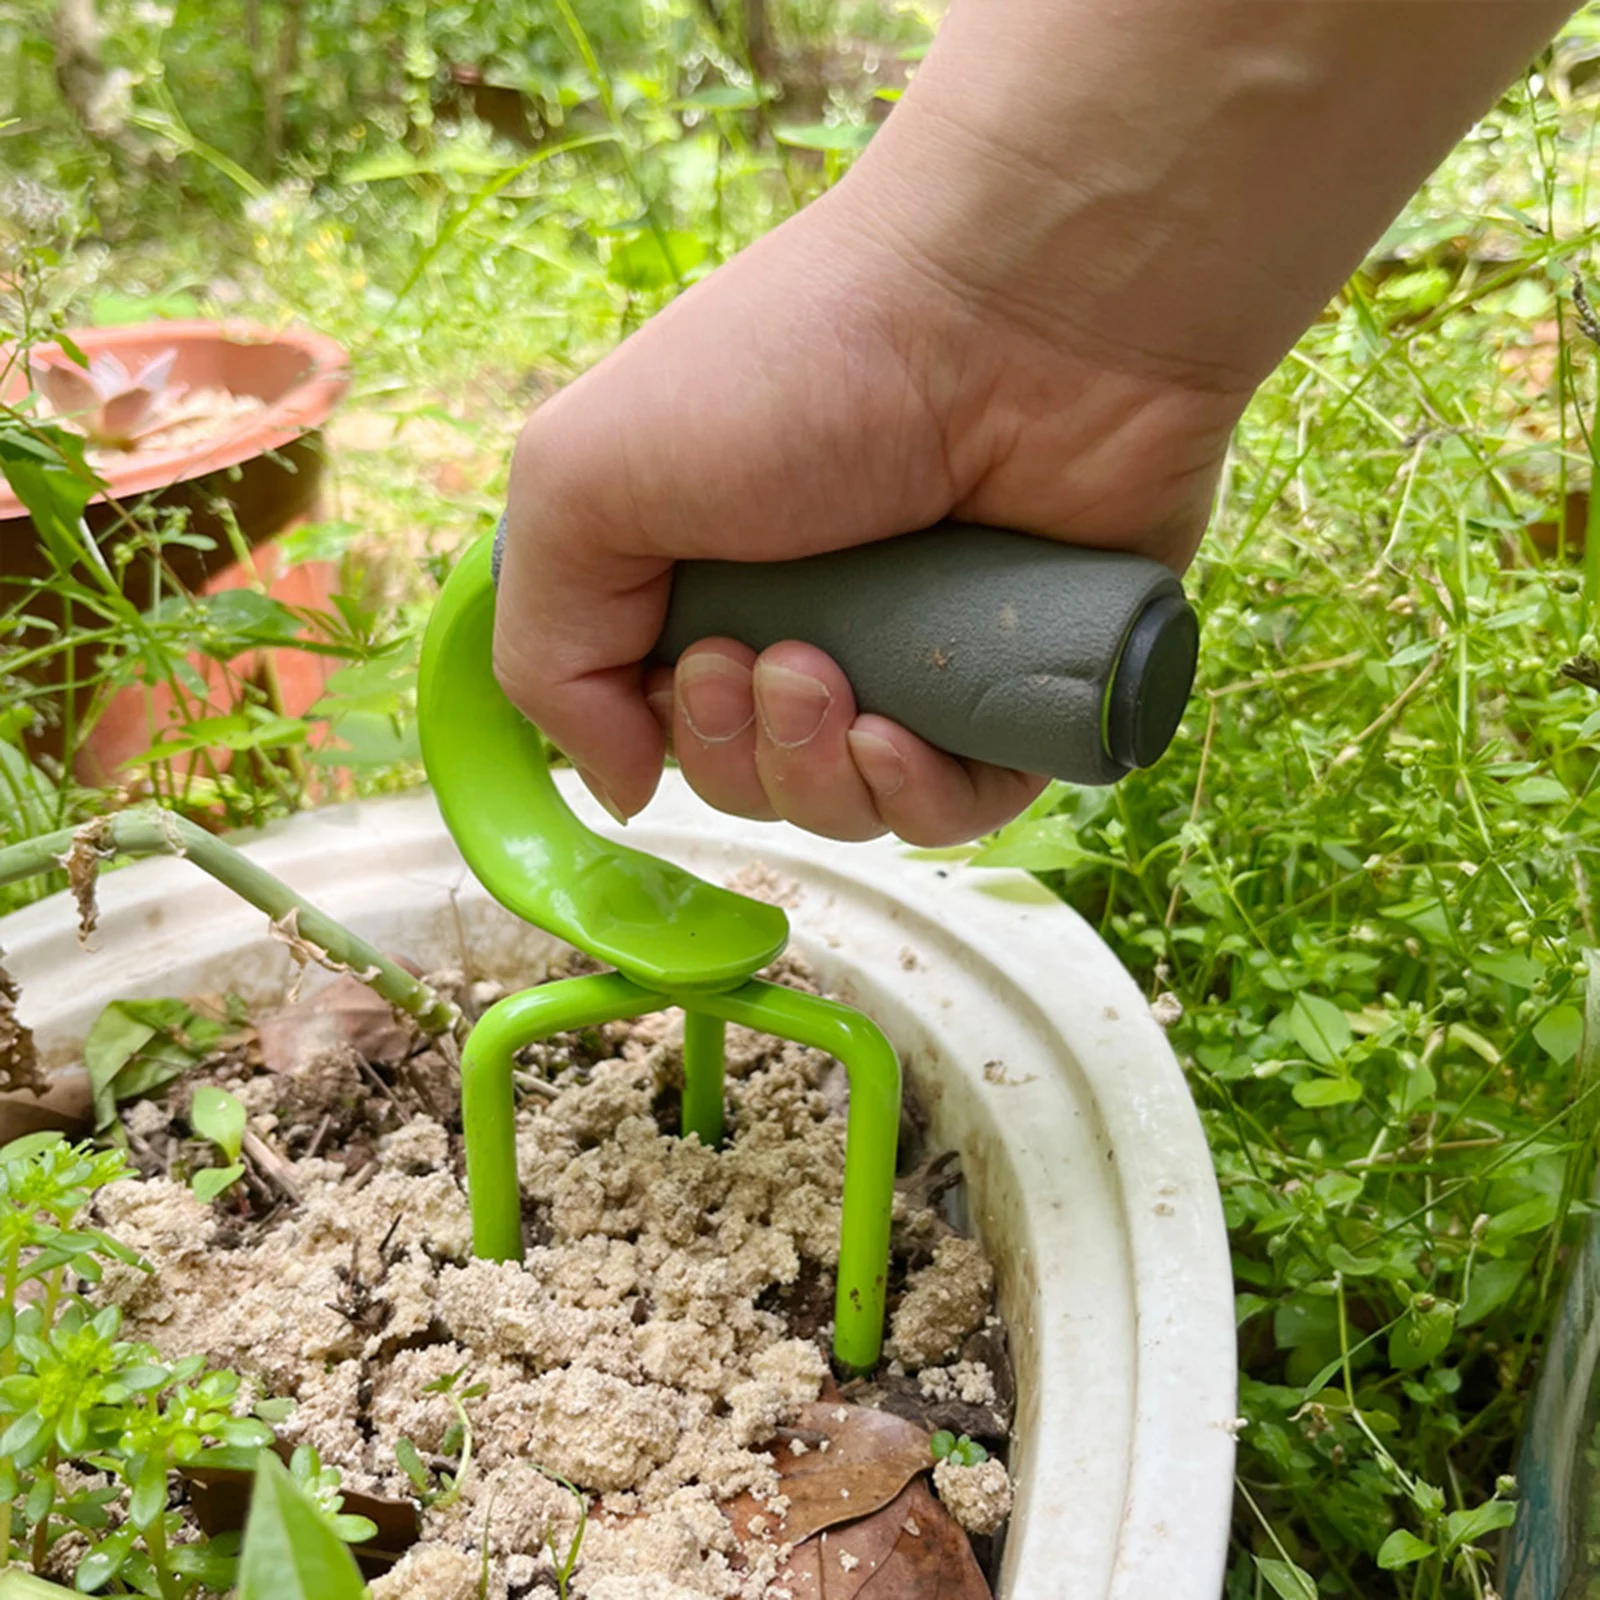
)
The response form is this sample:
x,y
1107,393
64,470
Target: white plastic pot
x,y
1088,1178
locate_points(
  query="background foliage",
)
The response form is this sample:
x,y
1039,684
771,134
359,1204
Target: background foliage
x,y
1365,871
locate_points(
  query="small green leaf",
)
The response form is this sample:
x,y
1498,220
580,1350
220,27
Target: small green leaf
x,y
1467,1527
1558,1032
290,1552
1509,966
244,1433
1315,1092
1287,1580
653,262
1493,1283
1400,1549
942,1443
1421,1334
30,1145
48,474
353,1529
104,1561
149,1498
113,1041
207,1184
1527,1216
837,137
22,1433
1035,844
142,1379
1320,1028
214,1564
1541,791
405,1452
220,1117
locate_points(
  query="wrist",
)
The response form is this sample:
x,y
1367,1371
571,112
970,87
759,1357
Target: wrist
x,y
1035,429
1174,188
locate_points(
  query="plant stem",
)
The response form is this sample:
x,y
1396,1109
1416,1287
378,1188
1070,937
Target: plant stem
x,y
52,1298
41,1532
151,831
464,1464
155,1544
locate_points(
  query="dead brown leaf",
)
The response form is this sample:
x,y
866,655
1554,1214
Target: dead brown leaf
x,y
64,1105
345,1013
869,1457
220,1498
19,1061
910,1549
82,865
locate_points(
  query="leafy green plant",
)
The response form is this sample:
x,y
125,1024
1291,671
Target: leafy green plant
x,y
216,1115
964,1452
135,1047
72,1392
291,1549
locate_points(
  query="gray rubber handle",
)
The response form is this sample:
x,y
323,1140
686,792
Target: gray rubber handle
x,y
996,646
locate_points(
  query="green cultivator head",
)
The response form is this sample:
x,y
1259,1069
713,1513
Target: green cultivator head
x,y
993,645
674,940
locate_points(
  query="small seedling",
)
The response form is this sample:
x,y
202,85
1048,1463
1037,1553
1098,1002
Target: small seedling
x,y
216,1115
416,1470
483,1543
564,1565
962,1452
459,1438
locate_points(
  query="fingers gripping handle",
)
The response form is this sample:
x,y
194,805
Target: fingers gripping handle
x,y
997,646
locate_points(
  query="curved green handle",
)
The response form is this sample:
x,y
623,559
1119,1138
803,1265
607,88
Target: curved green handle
x,y
663,927
997,646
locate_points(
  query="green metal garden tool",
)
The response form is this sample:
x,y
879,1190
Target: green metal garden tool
x,y
994,645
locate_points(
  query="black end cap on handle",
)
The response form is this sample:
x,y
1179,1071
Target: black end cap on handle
x,y
1151,683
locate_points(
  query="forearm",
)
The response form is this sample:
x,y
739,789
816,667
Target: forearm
x,y
1175,187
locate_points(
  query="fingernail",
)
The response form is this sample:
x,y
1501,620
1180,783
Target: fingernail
x,y
715,692
792,705
603,795
878,762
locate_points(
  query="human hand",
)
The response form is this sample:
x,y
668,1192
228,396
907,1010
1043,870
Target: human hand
x,y
819,391
1040,300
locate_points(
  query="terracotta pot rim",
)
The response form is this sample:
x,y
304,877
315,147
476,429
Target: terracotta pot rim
x,y
300,410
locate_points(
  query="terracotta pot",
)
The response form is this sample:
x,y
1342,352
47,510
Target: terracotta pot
x,y
267,468
134,716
